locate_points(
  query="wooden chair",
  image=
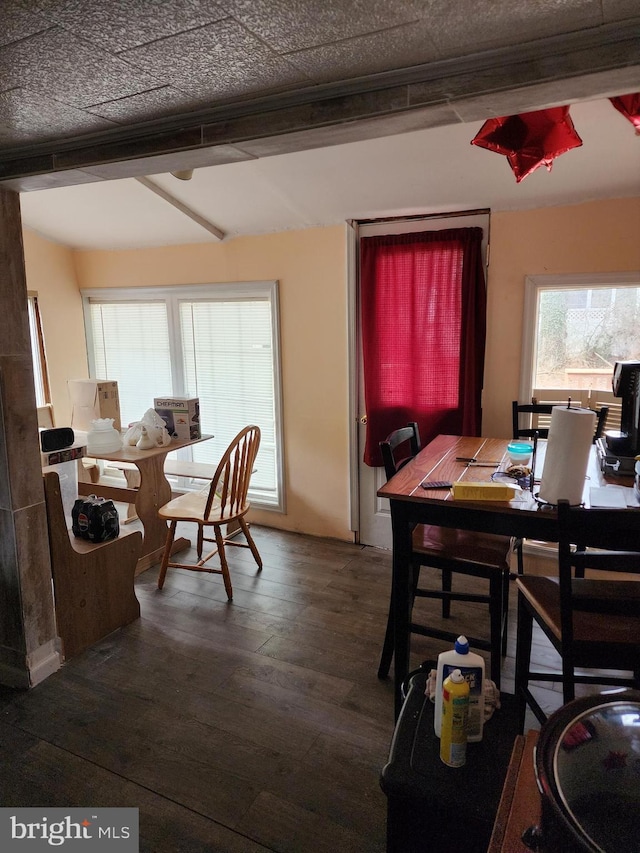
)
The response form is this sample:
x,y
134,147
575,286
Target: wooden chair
x,y
452,552
540,413
93,582
221,503
592,623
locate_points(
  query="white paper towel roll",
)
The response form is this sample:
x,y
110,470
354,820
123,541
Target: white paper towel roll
x,y
567,458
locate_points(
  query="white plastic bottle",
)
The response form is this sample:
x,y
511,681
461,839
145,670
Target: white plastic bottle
x,y
472,667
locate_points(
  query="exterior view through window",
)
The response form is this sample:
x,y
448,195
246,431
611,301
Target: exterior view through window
x,y
579,335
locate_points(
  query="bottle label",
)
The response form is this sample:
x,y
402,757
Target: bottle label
x,y
473,676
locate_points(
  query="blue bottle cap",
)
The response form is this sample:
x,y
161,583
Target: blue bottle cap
x,y
462,646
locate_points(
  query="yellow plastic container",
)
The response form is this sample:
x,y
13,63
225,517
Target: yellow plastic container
x,y
463,491
455,717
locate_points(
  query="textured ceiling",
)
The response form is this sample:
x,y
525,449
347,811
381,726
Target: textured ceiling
x,y
93,70
92,90
72,67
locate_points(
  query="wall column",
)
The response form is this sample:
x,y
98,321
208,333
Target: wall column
x,y
28,641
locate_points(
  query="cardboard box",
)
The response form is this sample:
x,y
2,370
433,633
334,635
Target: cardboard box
x,y
181,416
92,399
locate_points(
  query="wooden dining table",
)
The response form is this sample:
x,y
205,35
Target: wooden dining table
x,y
524,516
153,492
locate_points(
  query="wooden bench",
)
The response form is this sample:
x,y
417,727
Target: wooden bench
x,y
92,581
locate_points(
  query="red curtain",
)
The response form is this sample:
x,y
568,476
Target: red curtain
x,y
423,305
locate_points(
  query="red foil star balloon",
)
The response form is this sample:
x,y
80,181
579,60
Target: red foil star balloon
x,y
529,140
629,106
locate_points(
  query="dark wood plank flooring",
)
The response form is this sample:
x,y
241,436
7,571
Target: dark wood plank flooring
x,y
256,725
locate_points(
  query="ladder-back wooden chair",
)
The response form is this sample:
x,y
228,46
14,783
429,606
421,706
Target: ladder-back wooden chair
x,y
537,420
223,502
452,552
538,417
593,623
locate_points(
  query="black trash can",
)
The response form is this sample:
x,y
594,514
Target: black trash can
x,y
433,807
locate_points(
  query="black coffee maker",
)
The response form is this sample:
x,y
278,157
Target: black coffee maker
x,y
626,384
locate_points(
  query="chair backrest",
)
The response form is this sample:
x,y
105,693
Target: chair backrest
x,y
540,418
537,425
408,440
230,482
615,536
601,422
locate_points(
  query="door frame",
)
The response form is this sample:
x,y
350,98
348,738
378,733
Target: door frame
x,y
392,225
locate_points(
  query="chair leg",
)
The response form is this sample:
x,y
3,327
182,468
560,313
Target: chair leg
x,y
387,647
568,676
495,619
223,562
446,587
200,541
505,612
523,659
519,549
251,543
166,554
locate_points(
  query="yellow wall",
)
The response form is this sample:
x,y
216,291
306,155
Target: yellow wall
x,y
311,268
51,273
599,236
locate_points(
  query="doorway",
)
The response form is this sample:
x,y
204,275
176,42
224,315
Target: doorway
x,y
373,518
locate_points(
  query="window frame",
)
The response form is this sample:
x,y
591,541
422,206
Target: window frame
x,y
173,295
534,284
42,388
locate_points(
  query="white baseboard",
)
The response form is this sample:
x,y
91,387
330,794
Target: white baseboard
x,y
39,665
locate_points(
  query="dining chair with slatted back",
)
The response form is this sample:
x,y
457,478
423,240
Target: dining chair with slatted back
x,y
534,411
593,622
223,502
452,552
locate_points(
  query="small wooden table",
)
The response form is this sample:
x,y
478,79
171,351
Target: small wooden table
x,y
154,491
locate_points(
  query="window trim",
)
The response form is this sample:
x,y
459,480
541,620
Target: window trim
x,y
534,284
173,295
40,366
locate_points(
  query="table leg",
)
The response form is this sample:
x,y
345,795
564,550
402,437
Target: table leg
x,y
401,598
154,492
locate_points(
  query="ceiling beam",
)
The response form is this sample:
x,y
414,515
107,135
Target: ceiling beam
x,y
594,63
174,202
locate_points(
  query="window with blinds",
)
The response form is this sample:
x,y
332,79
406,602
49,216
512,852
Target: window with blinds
x,y
216,342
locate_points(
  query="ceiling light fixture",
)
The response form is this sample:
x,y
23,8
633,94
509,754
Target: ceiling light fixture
x,y
183,174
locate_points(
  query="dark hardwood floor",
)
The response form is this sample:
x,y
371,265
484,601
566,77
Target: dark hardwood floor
x,y
256,725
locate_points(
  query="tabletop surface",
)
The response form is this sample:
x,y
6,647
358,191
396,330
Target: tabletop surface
x,y
130,453
439,461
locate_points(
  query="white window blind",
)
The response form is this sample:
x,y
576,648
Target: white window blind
x,y
217,342
228,356
131,346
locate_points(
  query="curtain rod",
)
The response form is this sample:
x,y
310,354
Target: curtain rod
x,y
418,216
